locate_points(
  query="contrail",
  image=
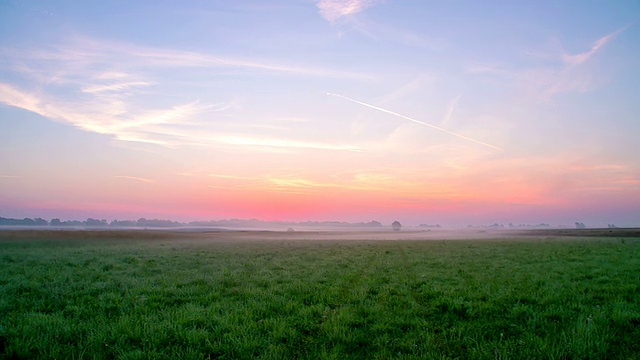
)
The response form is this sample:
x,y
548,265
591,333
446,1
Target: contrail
x,y
415,121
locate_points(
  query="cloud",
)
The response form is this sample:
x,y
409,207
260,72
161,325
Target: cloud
x,y
232,177
450,109
555,73
335,11
173,115
133,178
85,52
484,68
127,92
361,181
105,117
115,87
292,119
163,127
11,96
265,141
571,76
332,10
581,58
292,182
285,181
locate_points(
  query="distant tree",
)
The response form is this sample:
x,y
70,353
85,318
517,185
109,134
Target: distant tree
x,y
18,222
396,226
580,225
123,223
72,223
40,222
142,222
95,222
55,222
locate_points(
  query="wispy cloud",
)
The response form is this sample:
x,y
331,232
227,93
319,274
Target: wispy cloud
x,y
105,87
297,183
135,178
104,117
571,76
231,181
12,96
292,119
232,187
84,52
450,109
343,12
581,58
262,141
333,10
232,177
115,87
284,181
555,73
486,68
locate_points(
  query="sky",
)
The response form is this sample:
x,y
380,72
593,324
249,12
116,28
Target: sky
x,y
426,112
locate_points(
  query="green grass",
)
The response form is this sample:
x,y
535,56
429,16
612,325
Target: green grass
x,y
106,297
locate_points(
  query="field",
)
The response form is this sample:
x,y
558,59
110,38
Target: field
x,y
277,295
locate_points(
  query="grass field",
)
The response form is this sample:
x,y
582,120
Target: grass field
x,y
147,295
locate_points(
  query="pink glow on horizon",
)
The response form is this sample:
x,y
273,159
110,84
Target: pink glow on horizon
x,y
370,110
472,194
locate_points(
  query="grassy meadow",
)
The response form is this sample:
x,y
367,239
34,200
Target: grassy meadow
x,y
152,295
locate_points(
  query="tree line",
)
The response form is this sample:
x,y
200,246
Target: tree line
x,y
160,223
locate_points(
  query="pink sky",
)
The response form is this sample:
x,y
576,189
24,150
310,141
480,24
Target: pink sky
x,y
370,110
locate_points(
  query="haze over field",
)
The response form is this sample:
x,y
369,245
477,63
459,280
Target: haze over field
x,y
423,112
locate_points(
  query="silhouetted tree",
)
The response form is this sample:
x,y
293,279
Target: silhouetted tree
x,y
95,222
123,223
142,222
396,226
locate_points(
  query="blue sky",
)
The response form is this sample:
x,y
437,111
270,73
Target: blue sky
x,y
217,109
